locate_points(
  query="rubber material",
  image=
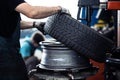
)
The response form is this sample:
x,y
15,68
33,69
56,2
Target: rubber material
x,y
78,36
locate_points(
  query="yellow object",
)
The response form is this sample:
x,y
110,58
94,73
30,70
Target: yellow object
x,y
100,23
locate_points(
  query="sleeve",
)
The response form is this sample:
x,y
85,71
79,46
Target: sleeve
x,y
12,4
25,50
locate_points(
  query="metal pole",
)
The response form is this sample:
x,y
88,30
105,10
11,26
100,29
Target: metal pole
x,y
118,28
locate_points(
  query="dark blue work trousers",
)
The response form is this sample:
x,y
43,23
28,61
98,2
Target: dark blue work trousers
x,y
12,66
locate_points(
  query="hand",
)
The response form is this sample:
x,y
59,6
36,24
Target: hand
x,y
64,10
39,26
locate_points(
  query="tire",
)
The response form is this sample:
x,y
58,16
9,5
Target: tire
x,y
78,36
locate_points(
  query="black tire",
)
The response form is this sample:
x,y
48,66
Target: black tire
x,y
78,36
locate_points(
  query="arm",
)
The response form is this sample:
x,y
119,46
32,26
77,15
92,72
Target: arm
x,y
37,12
34,24
26,25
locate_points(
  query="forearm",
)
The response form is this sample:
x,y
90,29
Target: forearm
x,y
26,25
43,12
37,12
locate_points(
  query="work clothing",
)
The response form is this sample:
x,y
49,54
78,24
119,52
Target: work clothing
x,y
12,66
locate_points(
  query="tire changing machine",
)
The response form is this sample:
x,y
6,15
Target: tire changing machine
x,y
66,64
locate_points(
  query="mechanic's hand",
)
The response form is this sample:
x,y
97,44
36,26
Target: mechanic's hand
x,y
39,26
64,10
